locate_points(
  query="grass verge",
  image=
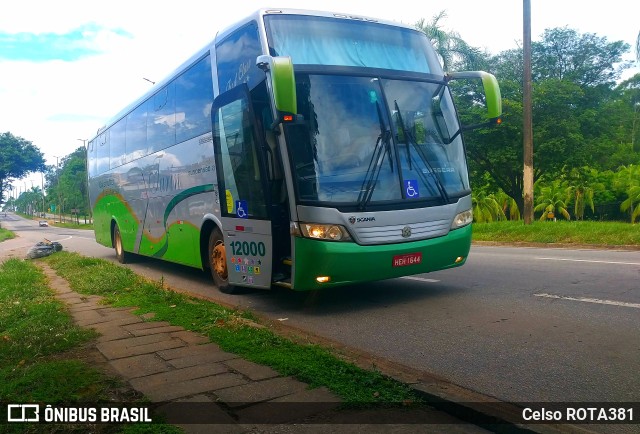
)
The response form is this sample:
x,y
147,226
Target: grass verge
x,y
309,363
38,341
68,225
563,232
6,235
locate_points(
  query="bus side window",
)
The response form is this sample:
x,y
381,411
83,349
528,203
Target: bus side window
x,y
91,167
117,143
102,164
161,121
136,137
236,58
193,98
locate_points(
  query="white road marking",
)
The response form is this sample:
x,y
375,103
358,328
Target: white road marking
x,y
63,239
421,279
74,236
591,300
588,260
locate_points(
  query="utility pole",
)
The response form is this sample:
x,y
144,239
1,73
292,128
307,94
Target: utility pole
x,y
44,210
85,181
58,187
527,128
636,106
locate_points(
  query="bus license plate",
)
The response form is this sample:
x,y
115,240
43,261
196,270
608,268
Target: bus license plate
x,y
408,259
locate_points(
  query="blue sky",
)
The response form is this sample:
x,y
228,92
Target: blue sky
x,y
69,65
42,47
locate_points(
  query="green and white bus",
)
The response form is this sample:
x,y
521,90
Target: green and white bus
x,y
299,148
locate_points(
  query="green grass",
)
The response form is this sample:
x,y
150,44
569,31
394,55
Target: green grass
x,y
32,322
562,232
70,225
6,235
309,363
38,340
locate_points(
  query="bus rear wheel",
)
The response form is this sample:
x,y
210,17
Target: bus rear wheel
x,y
122,256
218,262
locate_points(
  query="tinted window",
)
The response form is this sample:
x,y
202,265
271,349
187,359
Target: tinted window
x,y
236,58
117,143
347,42
93,148
103,153
137,132
193,99
238,154
161,122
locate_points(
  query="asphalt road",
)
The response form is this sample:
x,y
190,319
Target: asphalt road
x,y
518,324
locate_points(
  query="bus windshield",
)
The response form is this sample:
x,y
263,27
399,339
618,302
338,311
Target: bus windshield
x,y
367,140
347,42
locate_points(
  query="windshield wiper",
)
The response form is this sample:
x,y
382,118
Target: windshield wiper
x,y
411,141
375,164
381,149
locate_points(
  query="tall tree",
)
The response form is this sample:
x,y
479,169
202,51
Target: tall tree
x,y
453,51
573,89
68,184
18,157
585,59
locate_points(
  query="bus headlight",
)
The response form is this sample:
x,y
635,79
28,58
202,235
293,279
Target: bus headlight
x,y
462,219
325,232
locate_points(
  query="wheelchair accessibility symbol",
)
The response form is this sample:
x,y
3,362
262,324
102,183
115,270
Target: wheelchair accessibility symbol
x,y
241,209
411,188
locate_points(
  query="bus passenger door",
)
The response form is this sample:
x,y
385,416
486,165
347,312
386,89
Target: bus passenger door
x,y
243,186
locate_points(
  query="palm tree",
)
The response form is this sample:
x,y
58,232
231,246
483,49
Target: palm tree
x,y
449,46
628,178
486,208
632,203
582,189
509,206
582,197
552,200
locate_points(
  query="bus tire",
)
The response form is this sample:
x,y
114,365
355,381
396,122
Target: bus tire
x,y
218,262
122,256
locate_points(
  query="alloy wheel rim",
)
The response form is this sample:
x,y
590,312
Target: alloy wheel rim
x,y
219,260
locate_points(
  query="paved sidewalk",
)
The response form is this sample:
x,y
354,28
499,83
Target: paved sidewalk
x,y
169,364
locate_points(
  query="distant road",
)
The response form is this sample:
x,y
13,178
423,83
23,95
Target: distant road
x,y
519,324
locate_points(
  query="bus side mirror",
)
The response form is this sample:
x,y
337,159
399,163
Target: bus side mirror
x,y
280,77
492,95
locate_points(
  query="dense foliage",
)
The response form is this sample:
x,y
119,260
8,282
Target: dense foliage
x,y
65,188
586,126
18,157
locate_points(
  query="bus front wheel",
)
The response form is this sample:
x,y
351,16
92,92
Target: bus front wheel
x,y
122,256
218,262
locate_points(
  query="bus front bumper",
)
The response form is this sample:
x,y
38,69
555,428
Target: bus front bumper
x,y
324,264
